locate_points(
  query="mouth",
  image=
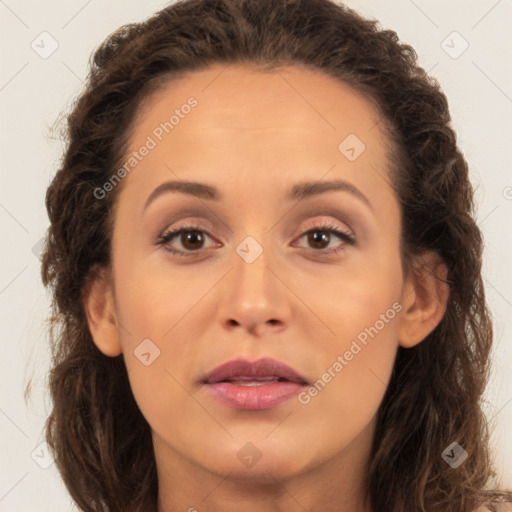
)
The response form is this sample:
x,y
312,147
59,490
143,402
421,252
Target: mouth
x,y
245,380
262,384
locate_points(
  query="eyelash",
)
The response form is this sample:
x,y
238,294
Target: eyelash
x,y
326,227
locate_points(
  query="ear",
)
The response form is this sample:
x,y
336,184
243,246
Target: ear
x,y
425,297
99,306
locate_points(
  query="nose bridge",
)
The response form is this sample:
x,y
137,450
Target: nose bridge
x,y
251,272
252,294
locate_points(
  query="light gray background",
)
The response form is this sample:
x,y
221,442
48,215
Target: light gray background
x,y
34,90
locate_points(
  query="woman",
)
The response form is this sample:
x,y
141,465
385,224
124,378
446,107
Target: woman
x,y
266,272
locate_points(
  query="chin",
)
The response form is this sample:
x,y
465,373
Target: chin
x,y
263,472
261,462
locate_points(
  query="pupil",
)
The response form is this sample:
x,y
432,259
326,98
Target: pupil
x,y
323,238
192,237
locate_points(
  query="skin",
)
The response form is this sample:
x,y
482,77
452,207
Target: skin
x,y
253,135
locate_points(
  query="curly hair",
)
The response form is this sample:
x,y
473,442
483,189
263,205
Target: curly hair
x,y
102,441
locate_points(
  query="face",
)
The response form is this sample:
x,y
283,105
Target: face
x,y
313,280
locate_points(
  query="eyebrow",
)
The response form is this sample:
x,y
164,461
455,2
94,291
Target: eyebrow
x,y
298,191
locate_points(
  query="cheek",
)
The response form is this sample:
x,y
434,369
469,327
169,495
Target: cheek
x,y
153,299
356,368
161,316
361,309
350,299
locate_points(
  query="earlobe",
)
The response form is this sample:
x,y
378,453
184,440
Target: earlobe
x,y
425,299
99,307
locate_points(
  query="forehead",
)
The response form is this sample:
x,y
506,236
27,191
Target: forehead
x,y
245,97
252,126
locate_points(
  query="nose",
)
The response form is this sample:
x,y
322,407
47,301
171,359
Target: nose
x,y
254,297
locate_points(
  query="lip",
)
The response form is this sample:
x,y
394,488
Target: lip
x,y
224,383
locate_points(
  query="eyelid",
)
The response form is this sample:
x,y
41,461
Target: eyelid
x,y
186,226
327,223
347,238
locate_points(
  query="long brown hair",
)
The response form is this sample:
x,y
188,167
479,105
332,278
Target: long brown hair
x,y
102,442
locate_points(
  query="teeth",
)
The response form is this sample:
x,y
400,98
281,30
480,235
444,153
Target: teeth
x,y
260,382
252,379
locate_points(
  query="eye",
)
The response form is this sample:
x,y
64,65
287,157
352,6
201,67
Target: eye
x,y
191,238
319,238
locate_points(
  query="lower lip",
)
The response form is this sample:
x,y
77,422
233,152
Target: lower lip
x,y
255,398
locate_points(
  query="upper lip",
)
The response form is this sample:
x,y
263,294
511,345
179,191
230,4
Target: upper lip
x,y
243,369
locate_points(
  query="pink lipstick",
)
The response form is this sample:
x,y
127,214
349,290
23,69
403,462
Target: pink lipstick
x,y
257,385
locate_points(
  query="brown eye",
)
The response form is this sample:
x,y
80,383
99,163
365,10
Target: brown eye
x,y
192,240
318,238
184,240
